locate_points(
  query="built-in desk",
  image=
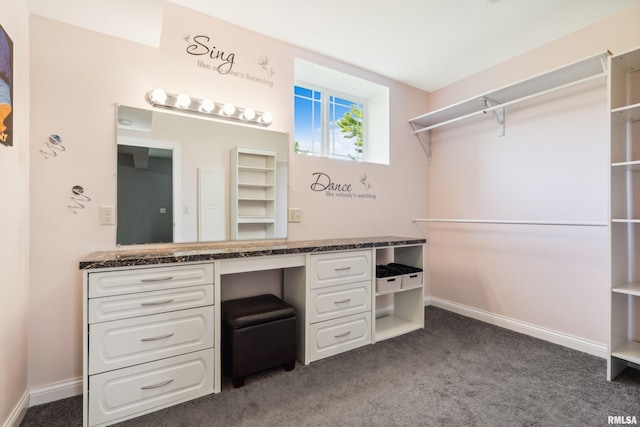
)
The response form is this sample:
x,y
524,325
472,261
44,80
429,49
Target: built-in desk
x,y
152,322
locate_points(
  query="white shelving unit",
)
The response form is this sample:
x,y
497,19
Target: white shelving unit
x,y
624,98
494,102
253,193
408,302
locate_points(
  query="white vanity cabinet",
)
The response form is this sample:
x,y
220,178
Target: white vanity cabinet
x,y
151,319
148,339
334,305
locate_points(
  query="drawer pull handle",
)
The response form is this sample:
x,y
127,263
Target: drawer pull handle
x,y
413,276
148,387
161,337
343,301
342,335
342,268
157,279
166,301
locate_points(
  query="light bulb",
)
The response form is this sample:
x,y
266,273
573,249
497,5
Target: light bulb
x,y
158,96
228,109
267,118
207,105
249,114
183,101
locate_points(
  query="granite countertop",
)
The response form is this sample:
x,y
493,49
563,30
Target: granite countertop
x,y
189,252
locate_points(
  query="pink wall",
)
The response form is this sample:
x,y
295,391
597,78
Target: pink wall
x,y
75,88
14,224
552,164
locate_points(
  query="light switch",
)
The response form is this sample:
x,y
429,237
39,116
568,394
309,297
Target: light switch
x,y
295,215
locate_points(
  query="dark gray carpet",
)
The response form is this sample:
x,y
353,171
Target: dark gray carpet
x,y
456,372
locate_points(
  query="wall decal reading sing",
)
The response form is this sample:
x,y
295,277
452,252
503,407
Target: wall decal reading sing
x,y
324,183
202,45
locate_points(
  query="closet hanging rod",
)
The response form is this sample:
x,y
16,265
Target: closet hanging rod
x,y
502,221
515,101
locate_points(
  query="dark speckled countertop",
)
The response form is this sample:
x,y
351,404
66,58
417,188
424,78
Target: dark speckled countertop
x,y
189,252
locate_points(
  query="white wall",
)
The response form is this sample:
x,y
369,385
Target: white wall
x,y
552,164
75,87
14,224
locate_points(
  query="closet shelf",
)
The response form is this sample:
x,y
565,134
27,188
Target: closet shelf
x,y
628,289
494,102
629,113
633,165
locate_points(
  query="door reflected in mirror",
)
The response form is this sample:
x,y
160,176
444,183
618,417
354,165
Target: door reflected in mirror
x,y
178,179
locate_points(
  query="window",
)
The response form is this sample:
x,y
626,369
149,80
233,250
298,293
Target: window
x,y
327,124
339,116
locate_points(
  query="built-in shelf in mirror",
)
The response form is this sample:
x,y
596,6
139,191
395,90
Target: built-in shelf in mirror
x,y
175,177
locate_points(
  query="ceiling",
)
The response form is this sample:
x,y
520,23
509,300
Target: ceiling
x,y
427,44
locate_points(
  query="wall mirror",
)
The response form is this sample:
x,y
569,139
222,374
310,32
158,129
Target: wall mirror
x,y
190,179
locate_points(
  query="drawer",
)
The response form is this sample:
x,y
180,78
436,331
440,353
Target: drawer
x,y
127,342
336,336
388,284
122,393
339,301
412,280
340,267
132,305
106,283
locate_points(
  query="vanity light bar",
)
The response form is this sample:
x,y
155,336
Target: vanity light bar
x,y
207,107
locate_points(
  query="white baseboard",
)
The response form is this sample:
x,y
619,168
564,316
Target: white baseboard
x,y
585,346
16,416
55,391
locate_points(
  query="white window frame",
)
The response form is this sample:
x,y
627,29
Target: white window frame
x,y
373,96
326,140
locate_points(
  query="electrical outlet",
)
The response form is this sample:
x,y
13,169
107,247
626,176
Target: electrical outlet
x,y
295,215
107,215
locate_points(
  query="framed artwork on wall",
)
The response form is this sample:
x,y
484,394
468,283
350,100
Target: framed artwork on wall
x,y
6,88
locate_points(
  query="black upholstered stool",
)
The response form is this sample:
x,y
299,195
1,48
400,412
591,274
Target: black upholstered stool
x,y
258,333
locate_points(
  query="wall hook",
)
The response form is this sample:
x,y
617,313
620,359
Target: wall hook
x,y
77,199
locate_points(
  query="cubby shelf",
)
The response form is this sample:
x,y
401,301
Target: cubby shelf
x,y
629,351
392,326
624,295
253,193
407,310
399,290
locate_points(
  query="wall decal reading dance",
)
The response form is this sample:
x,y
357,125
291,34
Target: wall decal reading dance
x,y
323,183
